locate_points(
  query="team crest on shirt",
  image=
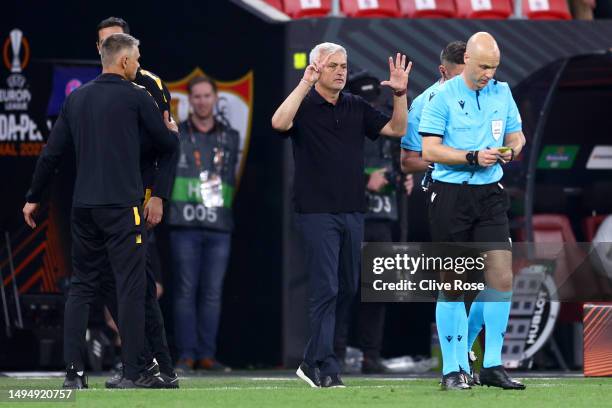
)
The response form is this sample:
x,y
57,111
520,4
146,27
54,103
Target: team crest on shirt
x,y
496,128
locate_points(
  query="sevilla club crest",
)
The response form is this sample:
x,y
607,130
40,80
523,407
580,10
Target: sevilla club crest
x,y
235,105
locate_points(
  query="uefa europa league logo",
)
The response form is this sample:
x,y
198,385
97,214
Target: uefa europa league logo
x,y
16,36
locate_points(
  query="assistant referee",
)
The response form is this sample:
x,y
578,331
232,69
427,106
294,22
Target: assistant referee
x,y
104,120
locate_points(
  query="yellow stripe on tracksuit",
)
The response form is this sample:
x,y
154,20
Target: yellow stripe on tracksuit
x,y
136,216
157,81
137,222
148,192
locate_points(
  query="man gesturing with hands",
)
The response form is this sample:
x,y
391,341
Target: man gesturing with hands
x,y
327,128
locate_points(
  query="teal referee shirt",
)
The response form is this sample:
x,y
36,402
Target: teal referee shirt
x,y
470,120
412,139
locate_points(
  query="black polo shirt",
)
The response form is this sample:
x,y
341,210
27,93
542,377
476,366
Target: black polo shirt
x,y
328,149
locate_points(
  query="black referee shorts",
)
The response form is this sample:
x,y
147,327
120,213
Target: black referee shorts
x,y
470,213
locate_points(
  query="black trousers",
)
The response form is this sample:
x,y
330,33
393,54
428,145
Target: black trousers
x,y
332,245
370,316
103,237
156,343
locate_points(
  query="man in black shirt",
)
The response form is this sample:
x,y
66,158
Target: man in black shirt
x,y
157,176
327,128
105,120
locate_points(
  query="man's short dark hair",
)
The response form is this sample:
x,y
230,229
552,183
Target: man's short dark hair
x,y
113,45
114,22
453,53
201,79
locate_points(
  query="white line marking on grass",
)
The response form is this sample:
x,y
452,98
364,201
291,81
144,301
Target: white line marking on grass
x,y
35,375
232,388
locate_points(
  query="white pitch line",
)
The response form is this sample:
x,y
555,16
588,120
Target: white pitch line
x,y
233,388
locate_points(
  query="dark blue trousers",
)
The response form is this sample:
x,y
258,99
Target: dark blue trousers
x,y
332,247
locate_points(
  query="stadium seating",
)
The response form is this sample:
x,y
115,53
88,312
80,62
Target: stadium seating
x,y
427,8
546,10
549,228
590,226
303,8
476,9
552,231
276,4
370,8
484,9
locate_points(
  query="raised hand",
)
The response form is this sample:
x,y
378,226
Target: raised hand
x,y
313,71
398,73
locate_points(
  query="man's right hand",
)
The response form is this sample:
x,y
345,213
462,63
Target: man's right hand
x,y
313,71
153,211
29,209
170,123
377,180
488,157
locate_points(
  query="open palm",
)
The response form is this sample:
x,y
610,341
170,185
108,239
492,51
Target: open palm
x,y
398,73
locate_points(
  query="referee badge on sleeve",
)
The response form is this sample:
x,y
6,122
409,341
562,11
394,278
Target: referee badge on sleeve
x,y
496,128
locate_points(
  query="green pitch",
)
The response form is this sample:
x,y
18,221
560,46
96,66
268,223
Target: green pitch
x,y
360,392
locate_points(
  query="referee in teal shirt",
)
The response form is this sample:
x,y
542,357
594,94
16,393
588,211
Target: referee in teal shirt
x,y
451,65
463,127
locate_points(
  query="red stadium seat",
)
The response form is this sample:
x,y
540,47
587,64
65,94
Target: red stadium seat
x,y
278,4
590,226
306,8
546,10
551,229
484,9
427,8
370,8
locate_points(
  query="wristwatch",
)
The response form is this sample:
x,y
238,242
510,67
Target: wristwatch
x,y
472,157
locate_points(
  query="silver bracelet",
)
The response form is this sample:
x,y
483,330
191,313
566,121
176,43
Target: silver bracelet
x,y
306,82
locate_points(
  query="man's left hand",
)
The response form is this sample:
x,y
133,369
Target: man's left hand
x,y
170,123
409,184
29,210
154,211
398,73
506,157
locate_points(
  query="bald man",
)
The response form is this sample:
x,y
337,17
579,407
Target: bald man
x,y
470,129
